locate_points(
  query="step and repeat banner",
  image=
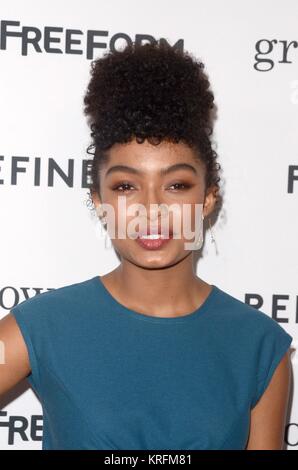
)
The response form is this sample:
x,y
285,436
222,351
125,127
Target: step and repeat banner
x,y
48,235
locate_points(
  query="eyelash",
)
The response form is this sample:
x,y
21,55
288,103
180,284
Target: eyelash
x,y
186,185
116,188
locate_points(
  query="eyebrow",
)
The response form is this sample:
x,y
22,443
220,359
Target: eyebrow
x,y
163,171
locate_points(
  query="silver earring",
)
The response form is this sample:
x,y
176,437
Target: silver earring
x,y
104,221
101,216
211,233
108,241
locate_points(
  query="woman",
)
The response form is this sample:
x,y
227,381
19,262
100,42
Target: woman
x,y
150,356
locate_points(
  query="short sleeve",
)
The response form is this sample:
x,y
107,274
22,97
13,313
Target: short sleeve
x,y
275,342
26,316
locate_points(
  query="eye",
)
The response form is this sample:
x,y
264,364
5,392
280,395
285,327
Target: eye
x,y
123,187
180,186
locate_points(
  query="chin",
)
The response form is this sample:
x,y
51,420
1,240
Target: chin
x,y
156,260
150,259
152,265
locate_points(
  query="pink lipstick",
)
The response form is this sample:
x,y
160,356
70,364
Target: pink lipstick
x,y
154,239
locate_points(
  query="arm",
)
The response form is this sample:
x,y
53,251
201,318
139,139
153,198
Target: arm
x,y
268,417
14,363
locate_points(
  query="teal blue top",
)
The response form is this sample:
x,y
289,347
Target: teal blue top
x,y
112,378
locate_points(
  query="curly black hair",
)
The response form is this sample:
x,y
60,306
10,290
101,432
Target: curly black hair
x,y
151,91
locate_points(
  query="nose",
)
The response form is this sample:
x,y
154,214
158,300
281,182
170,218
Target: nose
x,y
152,202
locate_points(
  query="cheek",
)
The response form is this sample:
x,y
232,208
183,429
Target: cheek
x,y
126,221
122,225
186,218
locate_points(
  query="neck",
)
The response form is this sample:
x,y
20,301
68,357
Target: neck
x,y
173,290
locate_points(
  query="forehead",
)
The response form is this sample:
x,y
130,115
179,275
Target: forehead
x,y
149,157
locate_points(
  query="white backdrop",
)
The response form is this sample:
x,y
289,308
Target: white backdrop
x,y
48,237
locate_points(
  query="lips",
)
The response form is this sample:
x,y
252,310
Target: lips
x,y
155,233
154,239
153,244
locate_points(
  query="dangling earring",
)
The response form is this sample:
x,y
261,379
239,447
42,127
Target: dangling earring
x,y
211,232
103,219
108,241
101,216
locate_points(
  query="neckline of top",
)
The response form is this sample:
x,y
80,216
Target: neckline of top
x,y
197,313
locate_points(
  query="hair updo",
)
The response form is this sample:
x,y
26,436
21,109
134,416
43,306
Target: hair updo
x,y
153,92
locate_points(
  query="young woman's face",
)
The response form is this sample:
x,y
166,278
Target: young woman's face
x,y
137,173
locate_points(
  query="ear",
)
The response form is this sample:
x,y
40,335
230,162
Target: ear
x,y
210,200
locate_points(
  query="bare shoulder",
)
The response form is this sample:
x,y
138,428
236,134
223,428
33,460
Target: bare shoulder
x,y
268,417
14,359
